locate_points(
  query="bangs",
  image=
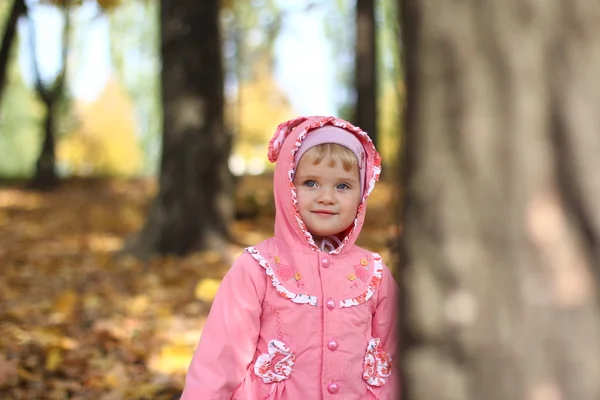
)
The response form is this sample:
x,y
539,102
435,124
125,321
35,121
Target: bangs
x,y
335,152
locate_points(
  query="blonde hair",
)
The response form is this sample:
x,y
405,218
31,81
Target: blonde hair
x,y
335,152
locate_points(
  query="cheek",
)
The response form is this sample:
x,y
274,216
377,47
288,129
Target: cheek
x,y
303,200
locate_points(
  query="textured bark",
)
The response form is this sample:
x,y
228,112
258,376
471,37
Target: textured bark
x,y
501,238
366,68
194,203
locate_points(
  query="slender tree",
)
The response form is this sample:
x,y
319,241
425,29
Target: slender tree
x,y
502,220
51,94
365,73
194,203
18,9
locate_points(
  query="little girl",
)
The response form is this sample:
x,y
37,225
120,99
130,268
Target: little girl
x,y
305,315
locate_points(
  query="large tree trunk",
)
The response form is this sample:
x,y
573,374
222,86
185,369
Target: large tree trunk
x,y
366,68
18,8
194,203
502,220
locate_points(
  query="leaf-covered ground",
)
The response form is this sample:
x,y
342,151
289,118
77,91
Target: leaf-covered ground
x,y
77,323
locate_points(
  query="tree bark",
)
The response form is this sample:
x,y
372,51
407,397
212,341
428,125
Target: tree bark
x,y
501,236
45,177
194,204
18,9
366,68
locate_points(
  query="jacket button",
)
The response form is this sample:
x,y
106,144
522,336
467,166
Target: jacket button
x,y
333,388
332,345
325,262
330,304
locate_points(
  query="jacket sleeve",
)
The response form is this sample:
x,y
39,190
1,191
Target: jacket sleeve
x,y
384,328
229,338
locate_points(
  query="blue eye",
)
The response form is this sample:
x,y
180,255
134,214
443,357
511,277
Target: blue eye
x,y
342,186
310,183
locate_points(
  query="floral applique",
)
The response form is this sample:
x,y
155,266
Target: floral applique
x,y
362,270
373,283
276,365
298,278
278,278
377,364
285,272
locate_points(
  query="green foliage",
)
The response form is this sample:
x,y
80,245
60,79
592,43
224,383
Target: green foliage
x,y
20,118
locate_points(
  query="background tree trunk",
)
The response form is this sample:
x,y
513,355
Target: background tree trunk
x,y
51,95
195,202
18,8
45,167
502,220
366,68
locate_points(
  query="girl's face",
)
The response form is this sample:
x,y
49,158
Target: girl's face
x,y
328,196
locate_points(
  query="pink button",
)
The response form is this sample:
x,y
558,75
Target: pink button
x,y
333,388
332,345
330,304
325,262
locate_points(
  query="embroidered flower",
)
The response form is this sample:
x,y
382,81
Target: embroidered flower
x,y
351,277
275,366
285,272
364,262
276,259
297,276
377,364
297,298
361,273
373,284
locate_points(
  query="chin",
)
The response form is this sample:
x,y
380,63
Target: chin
x,y
323,233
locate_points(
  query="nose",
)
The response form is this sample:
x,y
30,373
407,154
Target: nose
x,y
326,196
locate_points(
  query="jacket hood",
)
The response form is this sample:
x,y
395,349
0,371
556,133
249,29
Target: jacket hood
x,y
289,226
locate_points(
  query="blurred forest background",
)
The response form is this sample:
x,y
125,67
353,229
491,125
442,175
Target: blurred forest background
x,y
133,169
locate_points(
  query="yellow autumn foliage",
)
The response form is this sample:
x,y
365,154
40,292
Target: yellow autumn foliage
x,y
262,106
390,127
105,141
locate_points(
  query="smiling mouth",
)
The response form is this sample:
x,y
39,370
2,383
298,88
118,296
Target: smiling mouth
x,y
323,212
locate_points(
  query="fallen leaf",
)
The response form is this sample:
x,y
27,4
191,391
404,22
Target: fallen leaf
x,y
206,289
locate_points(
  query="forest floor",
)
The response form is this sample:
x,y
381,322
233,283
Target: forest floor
x,y
77,323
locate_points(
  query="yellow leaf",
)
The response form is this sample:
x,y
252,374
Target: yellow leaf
x,y
64,306
206,289
174,358
139,304
53,359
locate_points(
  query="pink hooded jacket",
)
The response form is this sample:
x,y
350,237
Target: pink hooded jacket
x,y
291,322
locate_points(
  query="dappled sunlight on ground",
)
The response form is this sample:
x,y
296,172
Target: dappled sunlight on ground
x,y
77,323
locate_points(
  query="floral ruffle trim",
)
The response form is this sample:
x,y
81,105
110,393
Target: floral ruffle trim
x,y
270,371
285,293
377,364
375,281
